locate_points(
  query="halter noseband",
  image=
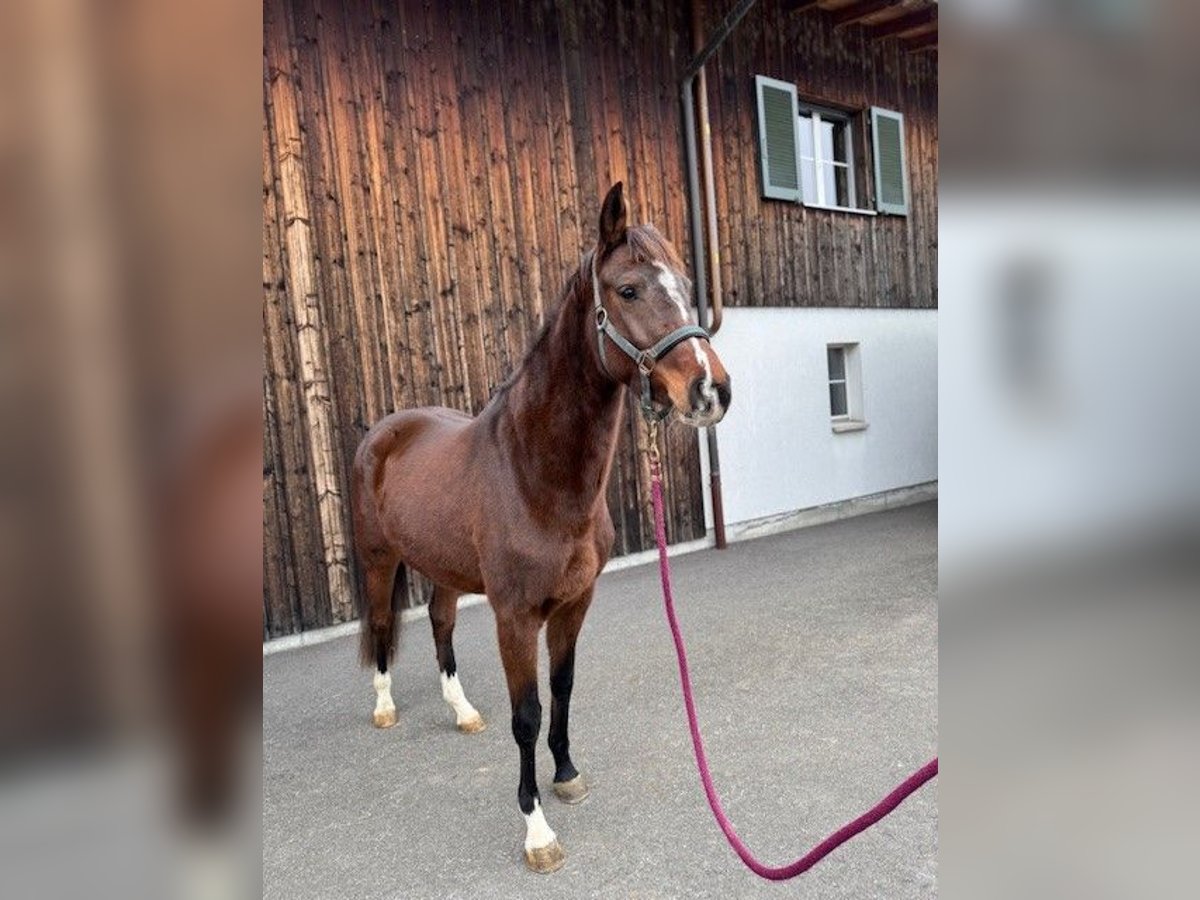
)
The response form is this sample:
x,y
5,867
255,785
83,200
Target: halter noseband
x,y
643,359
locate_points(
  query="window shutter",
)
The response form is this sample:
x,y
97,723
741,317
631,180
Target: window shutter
x,y
891,182
777,119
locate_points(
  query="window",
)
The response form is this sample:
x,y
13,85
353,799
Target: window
x,y
821,156
837,382
826,158
845,387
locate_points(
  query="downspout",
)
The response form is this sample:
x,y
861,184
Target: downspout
x,y
696,217
706,171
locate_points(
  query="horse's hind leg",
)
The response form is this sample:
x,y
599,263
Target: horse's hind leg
x,y
443,610
379,629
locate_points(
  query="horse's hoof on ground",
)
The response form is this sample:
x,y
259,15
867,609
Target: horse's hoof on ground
x,y
545,860
472,726
571,792
384,718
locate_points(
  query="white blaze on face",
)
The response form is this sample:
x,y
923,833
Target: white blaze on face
x,y
537,832
452,693
383,694
674,288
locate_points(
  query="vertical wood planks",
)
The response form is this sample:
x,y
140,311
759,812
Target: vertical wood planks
x,y
432,175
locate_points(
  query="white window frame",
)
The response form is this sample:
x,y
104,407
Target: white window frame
x,y
811,116
854,418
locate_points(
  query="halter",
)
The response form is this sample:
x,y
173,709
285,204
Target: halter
x,y
643,359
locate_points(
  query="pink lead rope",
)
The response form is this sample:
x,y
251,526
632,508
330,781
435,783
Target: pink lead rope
x,y
839,837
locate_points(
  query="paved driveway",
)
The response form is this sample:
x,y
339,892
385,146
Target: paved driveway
x,y
814,656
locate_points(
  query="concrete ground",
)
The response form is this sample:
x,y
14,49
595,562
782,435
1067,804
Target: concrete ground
x,y
814,659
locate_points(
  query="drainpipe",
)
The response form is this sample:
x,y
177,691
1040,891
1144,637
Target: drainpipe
x,y
706,170
696,217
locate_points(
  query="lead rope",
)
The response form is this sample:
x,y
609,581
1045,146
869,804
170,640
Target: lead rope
x,y
839,837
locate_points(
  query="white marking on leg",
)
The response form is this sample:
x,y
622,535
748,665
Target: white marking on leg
x,y
537,832
452,693
383,694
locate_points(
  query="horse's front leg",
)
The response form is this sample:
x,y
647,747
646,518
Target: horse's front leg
x,y
562,630
518,650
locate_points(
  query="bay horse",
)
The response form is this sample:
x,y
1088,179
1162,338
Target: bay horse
x,y
511,503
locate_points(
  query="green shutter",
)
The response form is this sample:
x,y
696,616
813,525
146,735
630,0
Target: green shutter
x,y
779,157
891,183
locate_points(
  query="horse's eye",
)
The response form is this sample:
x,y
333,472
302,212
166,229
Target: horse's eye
x,y
628,292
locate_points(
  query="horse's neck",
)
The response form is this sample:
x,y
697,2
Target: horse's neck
x,y
567,412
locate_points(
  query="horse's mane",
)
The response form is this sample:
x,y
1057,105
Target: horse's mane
x,y
573,285
646,244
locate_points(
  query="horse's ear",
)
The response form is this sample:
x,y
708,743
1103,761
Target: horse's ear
x,y
612,218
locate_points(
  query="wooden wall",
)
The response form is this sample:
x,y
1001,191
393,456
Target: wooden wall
x,y
431,174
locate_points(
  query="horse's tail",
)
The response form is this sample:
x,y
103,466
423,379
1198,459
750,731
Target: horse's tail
x,y
380,628
384,581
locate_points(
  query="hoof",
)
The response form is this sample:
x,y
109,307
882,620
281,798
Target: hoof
x,y
571,792
545,860
472,726
384,718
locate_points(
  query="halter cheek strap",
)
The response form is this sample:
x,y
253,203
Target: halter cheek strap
x,y
643,359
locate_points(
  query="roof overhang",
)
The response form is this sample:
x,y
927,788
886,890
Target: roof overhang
x,y
912,23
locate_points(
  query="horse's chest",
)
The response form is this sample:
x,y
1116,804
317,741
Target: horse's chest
x,y
580,571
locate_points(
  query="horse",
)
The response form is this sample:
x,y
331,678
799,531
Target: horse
x,y
511,503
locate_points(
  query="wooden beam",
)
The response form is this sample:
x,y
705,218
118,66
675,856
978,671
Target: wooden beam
x,y
901,24
858,11
795,6
926,41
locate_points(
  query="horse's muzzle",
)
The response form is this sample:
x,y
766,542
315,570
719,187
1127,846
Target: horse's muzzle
x,y
709,402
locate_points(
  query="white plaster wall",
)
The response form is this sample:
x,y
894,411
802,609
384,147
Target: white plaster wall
x,y
1071,406
778,453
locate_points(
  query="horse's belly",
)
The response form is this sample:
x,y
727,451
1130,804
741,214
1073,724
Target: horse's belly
x,y
425,509
448,559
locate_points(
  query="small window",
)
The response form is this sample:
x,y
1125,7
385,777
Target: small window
x,y
837,382
845,387
826,158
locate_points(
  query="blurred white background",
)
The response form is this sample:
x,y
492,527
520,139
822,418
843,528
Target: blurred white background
x,y
1069,435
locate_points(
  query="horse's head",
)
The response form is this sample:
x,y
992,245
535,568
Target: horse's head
x,y
641,290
